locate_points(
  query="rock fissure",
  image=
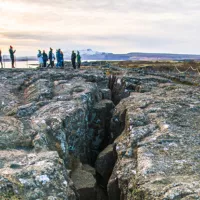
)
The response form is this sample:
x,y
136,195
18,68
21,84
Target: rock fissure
x,y
70,117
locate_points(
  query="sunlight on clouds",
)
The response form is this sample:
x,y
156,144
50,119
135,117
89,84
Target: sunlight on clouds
x,y
110,25
16,7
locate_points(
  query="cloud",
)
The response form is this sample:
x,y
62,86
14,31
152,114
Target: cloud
x,y
112,25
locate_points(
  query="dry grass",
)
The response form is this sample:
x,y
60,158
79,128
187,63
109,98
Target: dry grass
x,y
154,65
160,65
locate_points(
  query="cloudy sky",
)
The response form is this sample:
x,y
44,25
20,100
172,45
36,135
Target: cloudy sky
x,y
118,26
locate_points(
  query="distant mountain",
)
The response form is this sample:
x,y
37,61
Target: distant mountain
x,y
89,54
84,53
162,56
20,58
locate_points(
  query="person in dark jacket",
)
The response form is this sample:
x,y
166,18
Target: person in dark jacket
x,y
51,57
78,60
45,58
61,59
73,59
57,58
1,59
12,57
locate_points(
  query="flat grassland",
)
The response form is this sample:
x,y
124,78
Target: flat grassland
x,y
176,66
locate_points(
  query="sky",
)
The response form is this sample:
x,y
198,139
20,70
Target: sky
x,y
118,26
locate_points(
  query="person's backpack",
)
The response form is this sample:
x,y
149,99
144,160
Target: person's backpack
x,y
53,57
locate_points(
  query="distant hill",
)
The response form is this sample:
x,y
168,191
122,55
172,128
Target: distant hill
x,y
89,54
20,58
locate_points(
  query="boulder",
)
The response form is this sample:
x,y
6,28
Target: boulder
x,y
105,163
85,184
15,133
31,176
89,169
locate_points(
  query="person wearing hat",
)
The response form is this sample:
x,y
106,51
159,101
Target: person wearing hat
x,y
45,58
12,57
40,59
78,60
73,59
51,57
1,59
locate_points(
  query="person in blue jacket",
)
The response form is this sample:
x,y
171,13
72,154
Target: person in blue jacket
x,y
40,59
61,59
58,57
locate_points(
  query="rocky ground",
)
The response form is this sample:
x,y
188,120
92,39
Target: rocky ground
x,y
99,134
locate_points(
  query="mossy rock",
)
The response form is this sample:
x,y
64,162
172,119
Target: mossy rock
x,y
10,196
138,194
12,112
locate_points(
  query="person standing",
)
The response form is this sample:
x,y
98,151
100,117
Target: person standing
x,y
12,57
61,59
58,57
73,59
51,57
40,59
78,60
1,59
45,58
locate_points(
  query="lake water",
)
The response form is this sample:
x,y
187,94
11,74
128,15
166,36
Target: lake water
x,y
22,64
29,64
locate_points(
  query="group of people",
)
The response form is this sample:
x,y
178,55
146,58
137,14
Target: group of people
x,y
43,59
75,58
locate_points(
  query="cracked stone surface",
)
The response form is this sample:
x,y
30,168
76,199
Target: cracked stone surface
x,y
46,126
53,121
158,150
